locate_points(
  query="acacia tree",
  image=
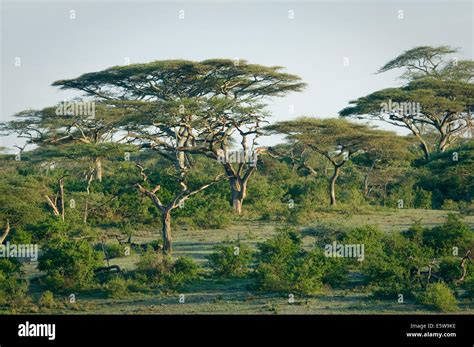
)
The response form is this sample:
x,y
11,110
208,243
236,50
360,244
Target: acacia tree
x,y
337,140
390,154
438,96
230,95
72,125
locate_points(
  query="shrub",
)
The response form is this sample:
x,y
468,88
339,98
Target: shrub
x,y
453,233
440,297
449,269
117,287
154,265
284,266
468,286
113,250
422,199
13,290
450,205
184,271
388,270
161,270
415,232
230,260
69,264
47,300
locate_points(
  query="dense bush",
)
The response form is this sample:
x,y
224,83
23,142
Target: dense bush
x,y
113,250
453,233
229,261
439,297
449,269
47,300
13,290
162,270
117,287
422,199
69,264
184,271
388,264
283,265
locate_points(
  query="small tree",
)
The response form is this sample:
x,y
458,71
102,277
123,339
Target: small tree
x,y
335,139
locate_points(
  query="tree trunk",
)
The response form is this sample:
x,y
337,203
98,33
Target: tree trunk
x,y
98,169
332,187
443,143
166,230
239,192
61,195
366,185
5,233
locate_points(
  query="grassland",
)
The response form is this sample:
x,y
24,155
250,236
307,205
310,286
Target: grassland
x,y
210,296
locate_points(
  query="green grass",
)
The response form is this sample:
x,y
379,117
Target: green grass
x,y
234,296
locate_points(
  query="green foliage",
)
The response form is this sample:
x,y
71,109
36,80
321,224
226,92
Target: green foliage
x,y
47,300
13,290
69,264
439,297
450,205
113,250
422,198
118,287
453,233
388,262
449,269
284,266
163,271
185,271
230,261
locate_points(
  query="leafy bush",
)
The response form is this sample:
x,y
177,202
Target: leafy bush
x,y
154,265
117,287
453,233
13,290
468,286
449,269
388,268
284,266
440,297
422,199
161,270
69,264
113,250
184,271
450,205
230,260
47,300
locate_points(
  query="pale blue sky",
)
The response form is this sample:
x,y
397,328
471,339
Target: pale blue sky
x,y
312,45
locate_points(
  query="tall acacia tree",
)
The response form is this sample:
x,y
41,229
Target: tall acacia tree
x,y
182,108
337,140
232,94
438,96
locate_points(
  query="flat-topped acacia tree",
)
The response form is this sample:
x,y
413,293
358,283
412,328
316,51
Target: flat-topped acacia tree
x,y
182,108
67,128
229,94
438,96
337,140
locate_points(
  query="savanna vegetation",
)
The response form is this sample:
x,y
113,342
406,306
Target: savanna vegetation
x,y
150,193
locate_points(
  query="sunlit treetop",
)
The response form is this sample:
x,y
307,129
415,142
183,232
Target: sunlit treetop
x,y
176,79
